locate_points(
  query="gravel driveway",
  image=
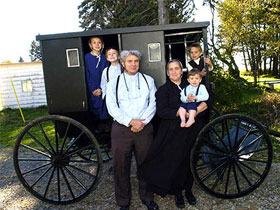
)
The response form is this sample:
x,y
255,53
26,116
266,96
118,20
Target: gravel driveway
x,y
13,196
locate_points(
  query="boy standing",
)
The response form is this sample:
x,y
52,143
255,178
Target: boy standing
x,y
197,61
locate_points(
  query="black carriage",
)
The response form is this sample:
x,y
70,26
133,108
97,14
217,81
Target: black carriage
x,y
231,157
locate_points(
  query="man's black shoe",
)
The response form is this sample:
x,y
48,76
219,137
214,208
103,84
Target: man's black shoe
x,y
124,207
190,197
179,200
150,205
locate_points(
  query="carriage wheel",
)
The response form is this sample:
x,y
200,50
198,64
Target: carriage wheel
x,y
49,163
106,153
232,156
105,146
214,113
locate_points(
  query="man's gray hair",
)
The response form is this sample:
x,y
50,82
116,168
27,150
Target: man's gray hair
x,y
126,53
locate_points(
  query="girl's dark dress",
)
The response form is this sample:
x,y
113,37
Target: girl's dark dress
x,y
167,165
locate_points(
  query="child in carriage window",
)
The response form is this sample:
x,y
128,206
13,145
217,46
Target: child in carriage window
x,y
197,61
95,63
112,71
192,96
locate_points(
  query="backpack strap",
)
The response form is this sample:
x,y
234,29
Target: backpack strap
x,y
108,72
117,86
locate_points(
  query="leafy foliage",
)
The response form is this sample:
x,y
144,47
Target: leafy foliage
x,y
99,14
35,51
231,93
252,27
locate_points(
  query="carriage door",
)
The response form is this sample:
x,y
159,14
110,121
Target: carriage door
x,y
64,76
151,45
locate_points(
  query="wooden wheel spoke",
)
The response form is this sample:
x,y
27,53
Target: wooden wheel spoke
x,y
40,177
227,180
65,137
38,142
254,171
253,160
213,146
210,163
77,151
72,143
236,133
213,171
35,150
49,182
45,136
255,151
251,143
243,174
241,141
221,140
85,172
58,184
67,183
33,159
211,153
235,178
76,179
219,177
228,134
35,169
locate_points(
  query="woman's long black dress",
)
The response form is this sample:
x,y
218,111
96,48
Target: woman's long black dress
x,y
167,166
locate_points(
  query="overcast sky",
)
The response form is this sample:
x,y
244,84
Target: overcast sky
x,y
22,20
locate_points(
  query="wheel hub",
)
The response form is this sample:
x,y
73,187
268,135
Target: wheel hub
x,y
232,156
59,161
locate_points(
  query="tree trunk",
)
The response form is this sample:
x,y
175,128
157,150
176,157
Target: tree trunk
x,y
244,58
249,58
264,65
259,60
162,12
270,65
254,68
275,65
235,71
264,61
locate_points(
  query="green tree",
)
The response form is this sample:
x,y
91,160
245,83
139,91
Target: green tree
x,y
223,51
252,27
20,60
99,14
35,51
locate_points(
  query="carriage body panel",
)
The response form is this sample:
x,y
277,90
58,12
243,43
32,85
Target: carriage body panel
x,y
63,57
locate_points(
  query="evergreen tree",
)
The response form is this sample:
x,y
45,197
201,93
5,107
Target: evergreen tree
x,y
35,51
99,14
21,60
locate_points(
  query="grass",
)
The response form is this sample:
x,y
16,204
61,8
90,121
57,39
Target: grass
x,y
11,123
261,79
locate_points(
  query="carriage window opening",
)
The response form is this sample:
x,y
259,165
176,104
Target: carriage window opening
x,y
26,86
154,52
72,57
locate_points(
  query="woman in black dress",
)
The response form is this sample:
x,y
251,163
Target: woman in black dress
x,y
167,165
